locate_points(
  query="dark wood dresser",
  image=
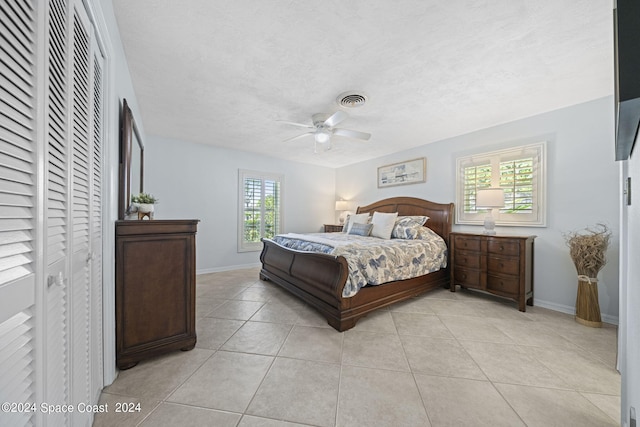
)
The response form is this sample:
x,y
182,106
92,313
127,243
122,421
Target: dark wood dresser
x,y
332,228
499,264
155,288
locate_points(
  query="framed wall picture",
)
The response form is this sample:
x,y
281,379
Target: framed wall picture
x,y
407,172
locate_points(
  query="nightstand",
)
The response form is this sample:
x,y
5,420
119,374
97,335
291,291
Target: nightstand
x,y
332,228
498,264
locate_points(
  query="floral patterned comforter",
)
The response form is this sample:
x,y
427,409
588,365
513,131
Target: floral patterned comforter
x,y
374,261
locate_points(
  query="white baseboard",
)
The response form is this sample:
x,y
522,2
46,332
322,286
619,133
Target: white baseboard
x,y
613,320
227,268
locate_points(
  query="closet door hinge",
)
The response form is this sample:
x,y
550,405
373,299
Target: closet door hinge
x,y
627,191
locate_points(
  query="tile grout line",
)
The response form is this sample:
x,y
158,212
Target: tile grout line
x,y
266,374
337,414
413,374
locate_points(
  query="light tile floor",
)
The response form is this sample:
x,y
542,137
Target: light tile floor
x,y
264,358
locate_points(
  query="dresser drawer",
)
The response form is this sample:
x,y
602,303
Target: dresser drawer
x,y
502,246
467,243
503,285
503,265
467,277
467,259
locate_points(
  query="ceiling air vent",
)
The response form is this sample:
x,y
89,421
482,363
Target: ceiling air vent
x,y
351,99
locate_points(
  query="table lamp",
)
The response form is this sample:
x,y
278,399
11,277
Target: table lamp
x,y
492,198
342,206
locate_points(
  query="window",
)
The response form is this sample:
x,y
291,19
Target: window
x,y
518,171
260,208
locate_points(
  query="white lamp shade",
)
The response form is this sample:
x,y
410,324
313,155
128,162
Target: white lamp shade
x,y
490,198
342,205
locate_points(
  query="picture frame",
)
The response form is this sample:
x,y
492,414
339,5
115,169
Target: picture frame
x,y
412,171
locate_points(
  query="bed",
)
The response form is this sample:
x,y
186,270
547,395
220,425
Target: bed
x,y
319,279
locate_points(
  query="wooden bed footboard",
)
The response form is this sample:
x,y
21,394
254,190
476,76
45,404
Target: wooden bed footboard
x,y
316,278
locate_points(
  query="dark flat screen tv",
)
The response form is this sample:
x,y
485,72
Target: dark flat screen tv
x,y
626,18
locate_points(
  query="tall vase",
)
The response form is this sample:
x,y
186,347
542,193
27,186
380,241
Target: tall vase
x,y
587,305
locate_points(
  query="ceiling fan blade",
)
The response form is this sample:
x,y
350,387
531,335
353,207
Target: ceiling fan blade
x,y
352,134
335,118
298,136
297,124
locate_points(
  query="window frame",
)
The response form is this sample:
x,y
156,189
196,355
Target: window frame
x,y
538,216
243,175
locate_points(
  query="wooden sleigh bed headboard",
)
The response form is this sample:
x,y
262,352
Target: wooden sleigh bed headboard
x,y
440,214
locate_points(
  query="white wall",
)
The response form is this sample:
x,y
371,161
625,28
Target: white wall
x,y
120,82
118,86
582,190
200,181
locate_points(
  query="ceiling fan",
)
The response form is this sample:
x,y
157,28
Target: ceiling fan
x,y
323,129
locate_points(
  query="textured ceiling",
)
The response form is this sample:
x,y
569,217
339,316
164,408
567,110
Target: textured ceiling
x,y
224,72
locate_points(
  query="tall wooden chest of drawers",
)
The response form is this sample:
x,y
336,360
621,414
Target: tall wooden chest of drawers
x,y
155,288
499,264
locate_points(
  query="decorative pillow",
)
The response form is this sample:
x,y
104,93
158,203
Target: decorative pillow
x,y
418,219
425,233
406,227
360,229
409,232
383,224
352,219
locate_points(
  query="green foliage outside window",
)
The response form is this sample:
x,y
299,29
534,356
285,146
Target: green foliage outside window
x,y
516,178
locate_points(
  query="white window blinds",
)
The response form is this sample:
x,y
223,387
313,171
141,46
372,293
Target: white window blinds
x,y
260,208
517,181
519,171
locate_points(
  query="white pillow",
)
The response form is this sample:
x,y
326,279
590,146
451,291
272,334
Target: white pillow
x,y
353,218
383,224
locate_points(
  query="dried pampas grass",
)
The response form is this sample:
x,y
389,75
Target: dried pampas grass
x,y
588,250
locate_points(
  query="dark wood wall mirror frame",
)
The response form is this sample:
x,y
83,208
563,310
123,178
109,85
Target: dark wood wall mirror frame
x,y
131,160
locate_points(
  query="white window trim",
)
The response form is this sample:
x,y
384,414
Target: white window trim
x,y
244,246
536,219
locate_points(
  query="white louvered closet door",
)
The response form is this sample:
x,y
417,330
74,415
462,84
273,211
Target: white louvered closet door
x,y
51,166
97,353
81,183
18,206
55,340
74,217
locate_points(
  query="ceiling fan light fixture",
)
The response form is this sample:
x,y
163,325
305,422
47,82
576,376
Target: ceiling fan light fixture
x,y
324,128
322,136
